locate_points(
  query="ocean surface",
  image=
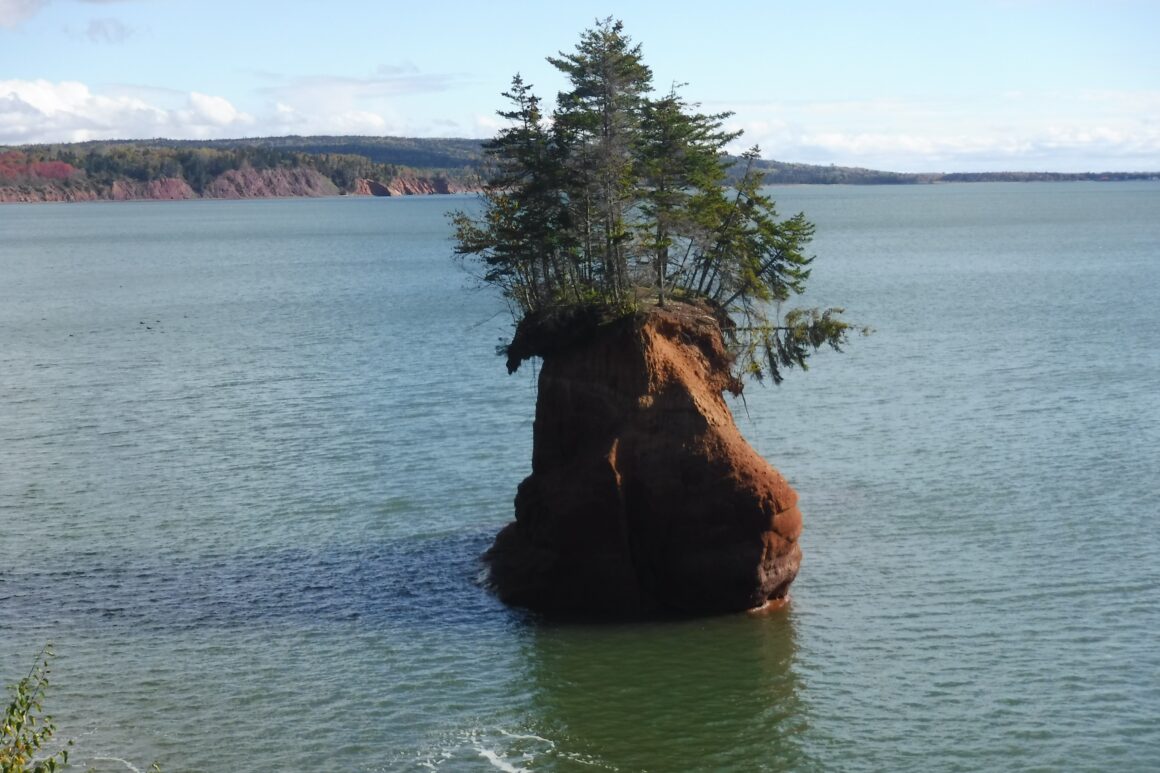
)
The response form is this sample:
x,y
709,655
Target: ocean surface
x,y
250,453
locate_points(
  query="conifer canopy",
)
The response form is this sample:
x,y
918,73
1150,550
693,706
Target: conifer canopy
x,y
620,198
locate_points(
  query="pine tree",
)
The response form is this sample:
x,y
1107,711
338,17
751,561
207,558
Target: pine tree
x,y
597,123
621,197
680,160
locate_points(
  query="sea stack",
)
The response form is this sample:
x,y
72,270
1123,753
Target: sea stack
x,y
644,498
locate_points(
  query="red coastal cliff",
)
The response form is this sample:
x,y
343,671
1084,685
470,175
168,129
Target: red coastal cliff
x,y
644,498
243,183
408,185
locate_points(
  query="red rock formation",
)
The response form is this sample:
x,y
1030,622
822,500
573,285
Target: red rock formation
x,y
27,193
250,183
365,187
244,183
166,188
407,185
644,497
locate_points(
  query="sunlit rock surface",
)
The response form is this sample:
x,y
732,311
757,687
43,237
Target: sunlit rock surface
x,y
644,498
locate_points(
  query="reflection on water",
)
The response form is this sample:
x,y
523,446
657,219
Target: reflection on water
x,y
713,694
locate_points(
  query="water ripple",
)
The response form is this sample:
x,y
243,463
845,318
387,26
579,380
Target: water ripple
x,y
418,581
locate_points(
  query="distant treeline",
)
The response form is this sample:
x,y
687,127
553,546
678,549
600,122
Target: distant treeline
x,y
1030,177
780,173
420,154
96,166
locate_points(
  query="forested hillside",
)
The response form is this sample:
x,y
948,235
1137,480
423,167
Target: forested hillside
x,y
236,168
409,152
333,165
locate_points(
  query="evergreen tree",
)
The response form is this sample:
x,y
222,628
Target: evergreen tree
x,y
597,123
680,162
523,238
621,198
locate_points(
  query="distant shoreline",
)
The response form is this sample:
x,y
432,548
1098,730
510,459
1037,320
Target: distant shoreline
x,y
295,167
17,197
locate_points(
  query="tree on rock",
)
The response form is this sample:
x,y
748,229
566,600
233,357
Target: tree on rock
x,y
619,199
648,284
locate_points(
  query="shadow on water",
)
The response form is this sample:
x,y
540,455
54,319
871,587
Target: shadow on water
x,y
713,694
710,694
421,581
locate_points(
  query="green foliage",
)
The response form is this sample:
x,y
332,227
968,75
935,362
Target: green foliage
x,y
430,154
621,198
26,729
97,165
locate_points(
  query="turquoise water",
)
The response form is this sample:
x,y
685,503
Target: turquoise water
x,y
251,451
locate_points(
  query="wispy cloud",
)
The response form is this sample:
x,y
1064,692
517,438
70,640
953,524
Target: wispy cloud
x,y
1111,130
13,13
287,119
385,81
369,104
108,30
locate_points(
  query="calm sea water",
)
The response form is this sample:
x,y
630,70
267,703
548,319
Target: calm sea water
x,y
250,453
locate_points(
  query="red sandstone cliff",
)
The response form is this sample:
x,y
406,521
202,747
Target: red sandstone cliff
x,y
249,183
27,194
407,185
644,497
244,183
165,189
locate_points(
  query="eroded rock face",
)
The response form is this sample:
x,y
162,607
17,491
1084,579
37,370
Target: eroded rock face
x,y
243,183
250,183
165,189
644,498
407,185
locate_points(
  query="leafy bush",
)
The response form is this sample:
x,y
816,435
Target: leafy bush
x,y
26,729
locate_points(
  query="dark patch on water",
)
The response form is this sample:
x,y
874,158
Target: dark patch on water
x,y
415,581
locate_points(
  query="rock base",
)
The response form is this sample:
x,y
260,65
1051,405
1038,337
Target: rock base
x,y
644,498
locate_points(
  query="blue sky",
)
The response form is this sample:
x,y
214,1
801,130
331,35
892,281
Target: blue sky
x,y
935,85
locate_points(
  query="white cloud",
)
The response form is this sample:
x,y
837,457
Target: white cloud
x,y
43,111
215,111
1083,131
488,125
69,111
